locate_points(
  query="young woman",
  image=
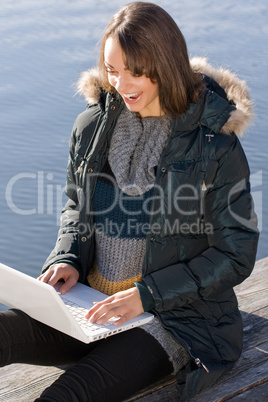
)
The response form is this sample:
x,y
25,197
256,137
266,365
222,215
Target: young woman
x,y
159,218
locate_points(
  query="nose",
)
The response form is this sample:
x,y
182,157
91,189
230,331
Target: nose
x,y
121,84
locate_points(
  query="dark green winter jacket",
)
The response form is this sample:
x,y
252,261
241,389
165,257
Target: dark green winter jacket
x,y
204,234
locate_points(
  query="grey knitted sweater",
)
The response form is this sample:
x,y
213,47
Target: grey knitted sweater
x,y
121,203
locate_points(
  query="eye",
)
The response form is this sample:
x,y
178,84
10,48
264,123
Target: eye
x,y
110,71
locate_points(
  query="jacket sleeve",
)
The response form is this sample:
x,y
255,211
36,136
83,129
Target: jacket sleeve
x,y
232,244
66,248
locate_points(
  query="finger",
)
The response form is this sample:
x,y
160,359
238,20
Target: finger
x,y
122,320
66,286
97,305
54,278
95,312
112,315
90,312
104,313
46,276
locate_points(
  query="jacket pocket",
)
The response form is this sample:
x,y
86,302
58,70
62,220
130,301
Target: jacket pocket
x,y
210,311
185,167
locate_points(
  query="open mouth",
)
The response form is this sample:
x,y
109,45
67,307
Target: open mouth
x,y
131,98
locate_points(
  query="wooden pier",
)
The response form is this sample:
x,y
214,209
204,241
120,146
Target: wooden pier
x,y
248,381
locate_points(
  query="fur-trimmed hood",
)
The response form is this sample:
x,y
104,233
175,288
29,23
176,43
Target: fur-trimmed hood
x,y
89,85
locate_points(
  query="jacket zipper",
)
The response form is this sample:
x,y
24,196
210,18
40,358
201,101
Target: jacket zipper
x,y
84,159
199,364
104,148
151,237
162,172
197,360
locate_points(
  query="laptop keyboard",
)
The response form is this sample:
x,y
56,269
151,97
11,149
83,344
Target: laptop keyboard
x,y
79,313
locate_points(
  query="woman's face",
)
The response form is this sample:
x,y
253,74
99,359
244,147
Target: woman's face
x,y
139,93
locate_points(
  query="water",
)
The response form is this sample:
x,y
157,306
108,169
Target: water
x,y
44,45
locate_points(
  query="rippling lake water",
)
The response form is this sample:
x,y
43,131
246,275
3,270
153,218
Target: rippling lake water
x,y
44,45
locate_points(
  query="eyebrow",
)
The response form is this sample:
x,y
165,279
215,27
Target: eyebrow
x,y
109,65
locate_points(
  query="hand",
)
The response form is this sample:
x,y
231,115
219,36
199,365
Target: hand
x,y
126,304
60,271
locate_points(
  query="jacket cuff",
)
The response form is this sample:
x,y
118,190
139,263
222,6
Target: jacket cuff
x,y
145,295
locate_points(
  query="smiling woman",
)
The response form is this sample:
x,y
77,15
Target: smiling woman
x,y
154,159
150,50
140,94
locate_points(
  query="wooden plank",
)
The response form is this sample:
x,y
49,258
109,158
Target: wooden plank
x,y
162,391
250,374
24,383
258,394
252,294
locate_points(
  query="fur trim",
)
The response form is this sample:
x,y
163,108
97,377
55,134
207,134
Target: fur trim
x,y
236,91
89,85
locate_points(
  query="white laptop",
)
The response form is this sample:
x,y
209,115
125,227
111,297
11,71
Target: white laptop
x,y
62,312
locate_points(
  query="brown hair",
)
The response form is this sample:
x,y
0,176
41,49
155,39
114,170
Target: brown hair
x,y
154,45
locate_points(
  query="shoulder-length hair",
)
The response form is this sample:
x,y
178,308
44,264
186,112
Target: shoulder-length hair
x,y
153,45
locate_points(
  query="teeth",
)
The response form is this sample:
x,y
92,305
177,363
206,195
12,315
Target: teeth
x,y
129,96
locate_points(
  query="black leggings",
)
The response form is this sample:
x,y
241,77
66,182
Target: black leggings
x,y
112,369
